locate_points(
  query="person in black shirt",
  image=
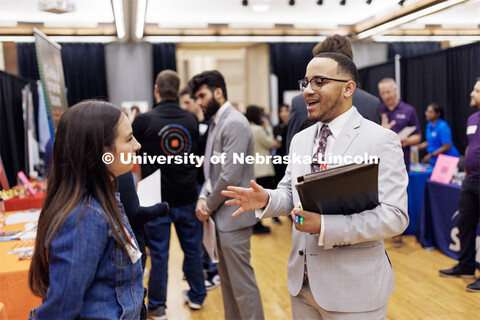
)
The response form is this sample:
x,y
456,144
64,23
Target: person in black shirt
x,y
167,130
137,215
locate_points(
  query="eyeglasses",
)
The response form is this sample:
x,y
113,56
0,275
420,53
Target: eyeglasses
x,y
316,82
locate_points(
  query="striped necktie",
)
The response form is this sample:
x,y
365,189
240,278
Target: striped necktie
x,y
319,155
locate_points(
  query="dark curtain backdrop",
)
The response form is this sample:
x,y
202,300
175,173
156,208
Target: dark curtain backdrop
x,y
421,84
27,61
447,78
370,76
463,66
410,49
83,67
163,58
12,135
289,61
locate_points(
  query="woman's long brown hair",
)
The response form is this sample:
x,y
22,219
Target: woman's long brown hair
x,y
83,133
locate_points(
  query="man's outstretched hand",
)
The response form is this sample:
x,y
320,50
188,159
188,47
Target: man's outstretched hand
x,y
247,198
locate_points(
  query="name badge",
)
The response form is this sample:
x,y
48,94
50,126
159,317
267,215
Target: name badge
x,y
133,253
401,116
434,134
472,129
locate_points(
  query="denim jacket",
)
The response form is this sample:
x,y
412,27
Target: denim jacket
x,y
91,276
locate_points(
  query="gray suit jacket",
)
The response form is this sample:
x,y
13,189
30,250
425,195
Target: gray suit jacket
x,y
352,271
367,104
231,135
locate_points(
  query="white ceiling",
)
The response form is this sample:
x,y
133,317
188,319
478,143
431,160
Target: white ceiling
x,y
164,17
304,12
88,12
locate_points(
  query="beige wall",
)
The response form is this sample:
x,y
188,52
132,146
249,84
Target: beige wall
x,y
258,71
9,58
244,66
2,60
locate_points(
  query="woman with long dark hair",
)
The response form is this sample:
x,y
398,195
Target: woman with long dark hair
x,y
86,263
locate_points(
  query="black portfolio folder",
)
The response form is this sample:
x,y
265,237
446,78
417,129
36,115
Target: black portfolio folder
x,y
343,190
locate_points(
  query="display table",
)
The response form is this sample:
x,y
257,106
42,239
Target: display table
x,y
28,202
438,218
14,291
416,184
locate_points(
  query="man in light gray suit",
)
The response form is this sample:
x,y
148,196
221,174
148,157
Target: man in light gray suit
x,y
338,266
367,104
229,134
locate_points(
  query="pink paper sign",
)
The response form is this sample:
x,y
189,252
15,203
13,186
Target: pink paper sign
x,y
444,168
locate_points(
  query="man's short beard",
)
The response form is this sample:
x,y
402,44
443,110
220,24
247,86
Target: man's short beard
x,y
211,109
327,112
321,117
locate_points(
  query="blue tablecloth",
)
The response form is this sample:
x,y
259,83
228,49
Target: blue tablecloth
x,y
416,184
438,218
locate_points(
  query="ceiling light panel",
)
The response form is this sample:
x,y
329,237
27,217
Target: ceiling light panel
x,y
119,18
260,7
140,19
380,29
425,38
467,13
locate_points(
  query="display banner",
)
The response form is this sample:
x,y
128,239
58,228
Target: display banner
x,y
50,69
32,156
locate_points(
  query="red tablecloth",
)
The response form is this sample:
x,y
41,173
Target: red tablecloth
x,y
29,202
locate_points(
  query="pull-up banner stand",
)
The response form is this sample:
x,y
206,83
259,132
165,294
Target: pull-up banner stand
x,y
51,74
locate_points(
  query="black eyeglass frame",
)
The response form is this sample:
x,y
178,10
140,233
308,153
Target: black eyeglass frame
x,y
303,83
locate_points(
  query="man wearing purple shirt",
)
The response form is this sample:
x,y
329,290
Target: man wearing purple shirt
x,y
397,115
469,203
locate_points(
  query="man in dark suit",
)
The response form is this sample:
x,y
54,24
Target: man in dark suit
x,y
367,104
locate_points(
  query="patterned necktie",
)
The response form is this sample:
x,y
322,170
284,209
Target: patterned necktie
x,y
319,156
208,151
316,166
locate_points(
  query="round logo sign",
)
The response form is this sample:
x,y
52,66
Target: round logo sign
x,y
175,140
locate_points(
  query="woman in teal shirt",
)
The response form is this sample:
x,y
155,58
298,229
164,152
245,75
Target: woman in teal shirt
x,y
438,135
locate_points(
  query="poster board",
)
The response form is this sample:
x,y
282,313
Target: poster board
x,y
50,69
444,168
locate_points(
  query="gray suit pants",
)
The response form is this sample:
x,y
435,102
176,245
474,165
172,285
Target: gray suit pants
x,y
305,307
241,297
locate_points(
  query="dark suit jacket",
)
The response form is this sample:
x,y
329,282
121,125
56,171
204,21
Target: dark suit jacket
x,y
367,104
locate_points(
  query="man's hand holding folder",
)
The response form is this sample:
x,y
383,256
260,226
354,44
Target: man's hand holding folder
x,y
343,190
